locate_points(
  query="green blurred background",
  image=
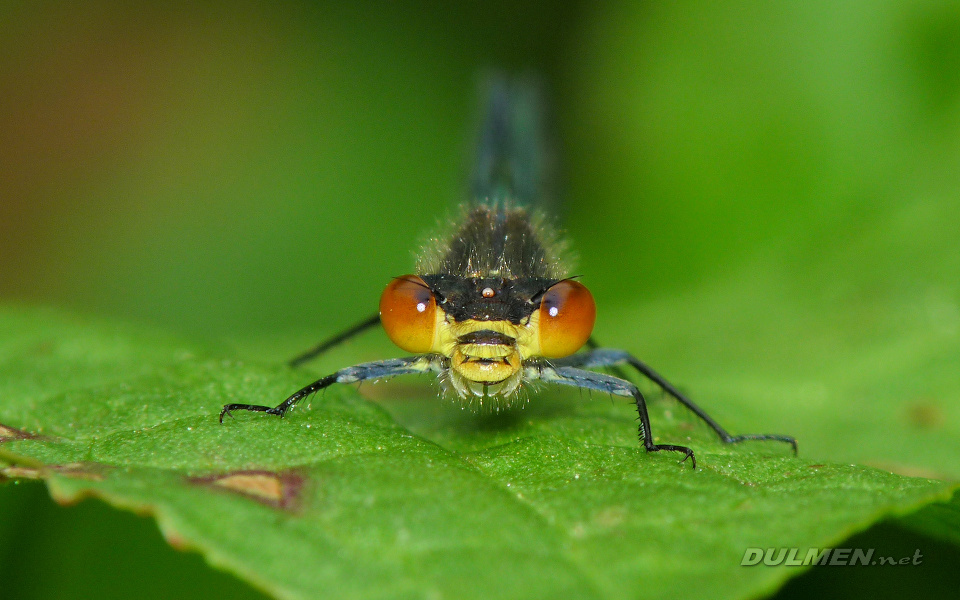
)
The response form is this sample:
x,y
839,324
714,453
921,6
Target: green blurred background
x,y
757,188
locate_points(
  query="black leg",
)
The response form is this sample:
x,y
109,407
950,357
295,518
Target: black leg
x,y
372,370
572,376
611,358
341,337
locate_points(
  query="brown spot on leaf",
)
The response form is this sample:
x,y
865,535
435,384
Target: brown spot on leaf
x,y
15,472
925,414
177,541
88,471
9,434
279,490
91,472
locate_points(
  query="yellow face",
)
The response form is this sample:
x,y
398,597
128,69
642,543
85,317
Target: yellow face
x,y
487,369
487,365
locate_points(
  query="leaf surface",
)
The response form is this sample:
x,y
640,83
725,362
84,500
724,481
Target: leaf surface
x,y
340,499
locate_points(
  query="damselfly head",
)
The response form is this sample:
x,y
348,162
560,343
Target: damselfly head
x,y
489,298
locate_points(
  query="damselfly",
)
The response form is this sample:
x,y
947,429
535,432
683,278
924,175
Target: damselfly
x,y
491,306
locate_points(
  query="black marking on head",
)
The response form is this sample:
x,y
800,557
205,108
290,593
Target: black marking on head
x,y
462,298
486,337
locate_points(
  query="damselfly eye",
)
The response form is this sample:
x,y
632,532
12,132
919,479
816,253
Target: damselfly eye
x,y
408,312
567,314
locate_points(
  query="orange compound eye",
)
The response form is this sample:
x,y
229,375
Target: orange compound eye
x,y
408,312
567,314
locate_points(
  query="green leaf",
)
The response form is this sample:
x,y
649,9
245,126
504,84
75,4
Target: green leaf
x,y
938,520
342,501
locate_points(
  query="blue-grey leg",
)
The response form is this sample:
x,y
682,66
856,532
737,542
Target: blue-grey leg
x,y
372,370
554,372
608,357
